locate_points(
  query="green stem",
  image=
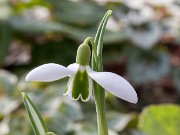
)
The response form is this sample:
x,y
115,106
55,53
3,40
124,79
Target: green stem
x,y
99,93
90,39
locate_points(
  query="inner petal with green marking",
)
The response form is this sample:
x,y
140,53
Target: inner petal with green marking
x,y
80,85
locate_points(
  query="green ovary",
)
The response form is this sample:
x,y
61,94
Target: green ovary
x,y
80,85
83,55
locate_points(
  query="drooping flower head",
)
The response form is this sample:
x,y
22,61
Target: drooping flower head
x,y
80,84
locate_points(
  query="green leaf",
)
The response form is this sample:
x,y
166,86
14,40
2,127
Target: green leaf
x,y
99,38
37,122
160,120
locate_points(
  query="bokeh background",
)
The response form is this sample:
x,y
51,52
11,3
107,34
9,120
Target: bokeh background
x,y
141,43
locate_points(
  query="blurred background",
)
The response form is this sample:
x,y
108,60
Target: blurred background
x,y
141,43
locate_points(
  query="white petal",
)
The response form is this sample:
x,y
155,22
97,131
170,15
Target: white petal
x,y
69,86
74,67
48,72
115,84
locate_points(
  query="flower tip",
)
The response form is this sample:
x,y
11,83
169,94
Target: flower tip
x,y
134,100
28,77
31,76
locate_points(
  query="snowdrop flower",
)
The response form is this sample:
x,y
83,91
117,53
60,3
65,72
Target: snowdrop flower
x,y
80,84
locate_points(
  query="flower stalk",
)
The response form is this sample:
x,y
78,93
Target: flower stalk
x,y
96,63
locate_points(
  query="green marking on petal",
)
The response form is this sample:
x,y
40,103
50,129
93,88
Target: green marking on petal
x,y
80,85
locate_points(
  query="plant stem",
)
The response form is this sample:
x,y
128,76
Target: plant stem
x,y
99,95
86,41
96,64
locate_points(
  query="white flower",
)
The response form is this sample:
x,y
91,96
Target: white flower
x,y
80,84
113,83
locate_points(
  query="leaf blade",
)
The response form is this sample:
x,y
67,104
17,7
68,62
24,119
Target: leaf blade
x,y
36,119
99,38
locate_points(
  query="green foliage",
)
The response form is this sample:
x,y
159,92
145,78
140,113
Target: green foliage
x,y
36,120
160,119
